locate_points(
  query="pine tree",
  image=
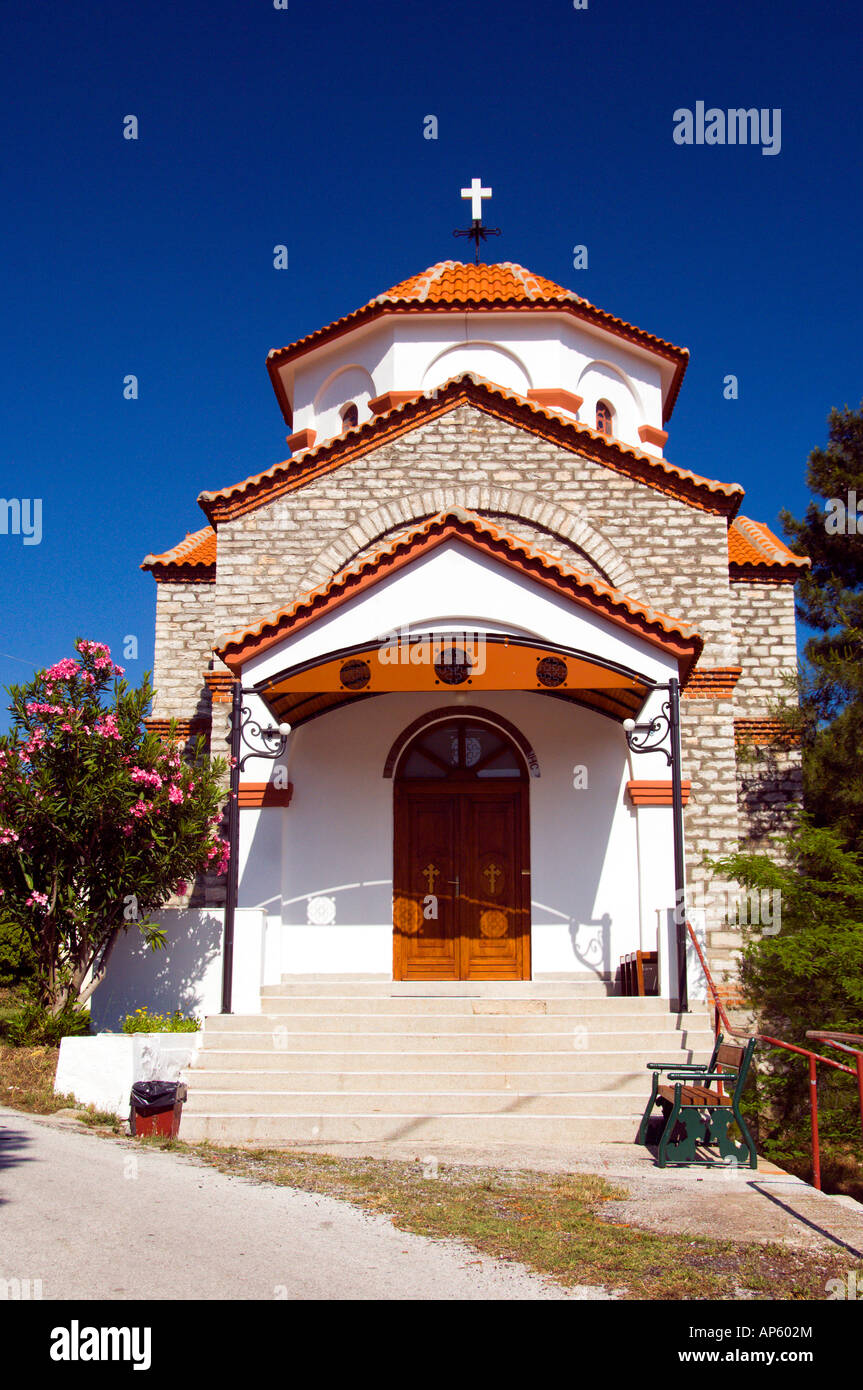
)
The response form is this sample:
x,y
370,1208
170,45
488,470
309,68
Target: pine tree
x,y
830,600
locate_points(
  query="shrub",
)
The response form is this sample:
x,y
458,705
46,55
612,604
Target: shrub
x,y
32,1025
808,976
142,1021
100,822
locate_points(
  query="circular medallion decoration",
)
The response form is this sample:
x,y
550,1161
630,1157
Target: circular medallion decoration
x,y
551,671
456,669
355,674
321,912
407,916
493,923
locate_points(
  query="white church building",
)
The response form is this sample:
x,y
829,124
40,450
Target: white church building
x,y
475,563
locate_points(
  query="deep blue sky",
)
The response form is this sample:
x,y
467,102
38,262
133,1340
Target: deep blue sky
x,y
304,127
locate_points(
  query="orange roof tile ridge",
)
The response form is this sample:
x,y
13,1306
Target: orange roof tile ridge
x,y
185,551
755,544
652,460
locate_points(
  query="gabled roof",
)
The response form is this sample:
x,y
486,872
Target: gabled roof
x,y
754,551
193,560
680,639
454,285
468,388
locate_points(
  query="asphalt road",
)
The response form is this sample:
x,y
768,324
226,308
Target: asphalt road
x,y
97,1218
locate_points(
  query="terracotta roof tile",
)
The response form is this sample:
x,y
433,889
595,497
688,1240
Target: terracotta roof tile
x,y
753,546
224,503
457,282
506,286
457,522
196,554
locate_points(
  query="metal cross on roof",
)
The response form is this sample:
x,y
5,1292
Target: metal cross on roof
x,y
476,231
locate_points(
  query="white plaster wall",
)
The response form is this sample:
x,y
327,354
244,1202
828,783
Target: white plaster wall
x,y
600,381
489,360
345,383
587,905
101,1071
458,585
407,352
187,974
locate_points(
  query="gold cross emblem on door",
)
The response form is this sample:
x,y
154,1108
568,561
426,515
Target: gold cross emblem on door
x,y
430,873
492,873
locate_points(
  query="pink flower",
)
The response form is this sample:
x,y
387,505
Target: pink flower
x,y
63,670
143,774
223,850
175,795
8,837
37,900
181,889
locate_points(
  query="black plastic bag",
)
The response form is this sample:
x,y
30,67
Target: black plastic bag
x,y
155,1097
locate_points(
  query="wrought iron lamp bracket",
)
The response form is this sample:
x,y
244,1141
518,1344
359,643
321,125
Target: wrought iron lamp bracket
x,y
659,729
252,729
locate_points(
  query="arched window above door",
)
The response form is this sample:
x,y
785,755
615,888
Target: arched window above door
x,y
461,750
604,418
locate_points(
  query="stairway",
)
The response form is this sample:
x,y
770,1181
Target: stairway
x,y
364,1060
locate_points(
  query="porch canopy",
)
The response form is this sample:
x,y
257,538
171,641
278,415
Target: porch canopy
x,y
457,606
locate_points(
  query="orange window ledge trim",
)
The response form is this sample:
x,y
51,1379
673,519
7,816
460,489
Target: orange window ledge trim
x,y
263,794
655,792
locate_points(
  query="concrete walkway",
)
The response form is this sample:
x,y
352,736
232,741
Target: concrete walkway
x,y
99,1218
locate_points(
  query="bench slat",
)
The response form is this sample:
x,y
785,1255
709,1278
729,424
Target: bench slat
x,y
694,1095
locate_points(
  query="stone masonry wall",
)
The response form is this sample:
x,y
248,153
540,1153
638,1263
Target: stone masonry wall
x,y
769,775
184,647
764,623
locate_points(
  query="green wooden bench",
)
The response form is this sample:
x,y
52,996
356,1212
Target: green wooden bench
x,y
697,1108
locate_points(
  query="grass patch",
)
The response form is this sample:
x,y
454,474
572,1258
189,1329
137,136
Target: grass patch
x,y
551,1222
27,1083
27,1079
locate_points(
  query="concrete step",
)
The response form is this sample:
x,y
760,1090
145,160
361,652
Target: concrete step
x,y
368,1060
415,1006
438,1043
439,1025
435,1061
375,1082
601,985
329,1103
254,1128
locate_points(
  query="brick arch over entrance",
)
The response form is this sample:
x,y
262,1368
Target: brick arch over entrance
x,y
498,501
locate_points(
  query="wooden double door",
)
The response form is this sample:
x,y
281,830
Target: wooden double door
x,y
461,882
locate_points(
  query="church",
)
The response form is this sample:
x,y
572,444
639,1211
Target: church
x,y
476,563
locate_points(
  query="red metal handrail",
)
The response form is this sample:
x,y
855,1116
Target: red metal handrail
x,y
843,1041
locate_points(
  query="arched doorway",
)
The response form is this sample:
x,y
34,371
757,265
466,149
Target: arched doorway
x,y
461,870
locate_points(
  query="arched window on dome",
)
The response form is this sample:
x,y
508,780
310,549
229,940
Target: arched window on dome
x,y
350,415
604,418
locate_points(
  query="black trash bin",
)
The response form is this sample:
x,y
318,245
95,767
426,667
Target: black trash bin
x,y
156,1107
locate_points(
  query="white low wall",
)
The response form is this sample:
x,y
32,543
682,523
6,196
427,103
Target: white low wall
x,y
100,1071
187,974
